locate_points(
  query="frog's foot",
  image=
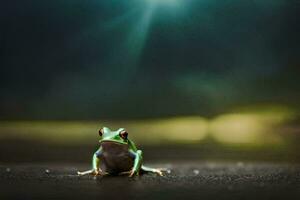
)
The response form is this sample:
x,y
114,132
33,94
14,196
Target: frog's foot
x,y
92,172
158,171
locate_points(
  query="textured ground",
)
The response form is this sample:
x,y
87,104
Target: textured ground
x,y
190,180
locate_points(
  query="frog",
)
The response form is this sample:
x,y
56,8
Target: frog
x,y
118,155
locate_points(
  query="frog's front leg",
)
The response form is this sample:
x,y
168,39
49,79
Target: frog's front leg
x,y
138,159
96,165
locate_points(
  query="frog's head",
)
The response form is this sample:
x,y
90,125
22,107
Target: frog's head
x,y
120,136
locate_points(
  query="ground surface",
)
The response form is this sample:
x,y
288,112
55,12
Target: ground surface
x,y
187,180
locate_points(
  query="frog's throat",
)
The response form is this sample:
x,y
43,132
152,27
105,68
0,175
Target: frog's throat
x,y
115,141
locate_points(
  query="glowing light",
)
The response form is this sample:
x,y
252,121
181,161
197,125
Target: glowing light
x,y
137,37
237,128
250,128
254,128
180,129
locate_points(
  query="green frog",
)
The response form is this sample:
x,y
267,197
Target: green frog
x,y
118,155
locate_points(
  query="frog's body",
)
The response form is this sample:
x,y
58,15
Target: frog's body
x,y
115,158
117,155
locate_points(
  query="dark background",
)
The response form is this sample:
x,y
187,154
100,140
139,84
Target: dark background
x,y
73,59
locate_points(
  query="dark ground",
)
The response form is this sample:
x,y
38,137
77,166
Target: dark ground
x,y
36,170
187,180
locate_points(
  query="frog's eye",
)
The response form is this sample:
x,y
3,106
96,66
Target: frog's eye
x,y
101,132
123,134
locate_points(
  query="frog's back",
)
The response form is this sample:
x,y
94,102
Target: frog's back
x,y
115,158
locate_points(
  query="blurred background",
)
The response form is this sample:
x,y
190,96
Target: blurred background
x,y
188,79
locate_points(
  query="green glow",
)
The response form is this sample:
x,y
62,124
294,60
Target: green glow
x,y
137,37
125,56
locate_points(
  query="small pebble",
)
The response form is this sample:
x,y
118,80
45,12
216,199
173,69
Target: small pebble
x,y
168,171
196,171
47,171
8,170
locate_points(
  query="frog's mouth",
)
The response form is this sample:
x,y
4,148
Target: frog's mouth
x,y
116,142
114,147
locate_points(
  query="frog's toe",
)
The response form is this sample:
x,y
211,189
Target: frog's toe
x,y
85,172
132,173
92,172
159,172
